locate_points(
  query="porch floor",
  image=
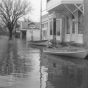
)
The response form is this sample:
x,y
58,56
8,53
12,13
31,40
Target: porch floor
x,y
59,44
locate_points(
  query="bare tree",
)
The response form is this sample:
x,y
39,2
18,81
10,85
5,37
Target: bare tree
x,y
11,11
27,19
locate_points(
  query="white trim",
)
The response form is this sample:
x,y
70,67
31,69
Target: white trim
x,y
45,22
48,8
50,16
71,2
78,7
68,9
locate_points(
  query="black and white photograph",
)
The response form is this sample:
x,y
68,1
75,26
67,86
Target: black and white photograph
x,y
43,43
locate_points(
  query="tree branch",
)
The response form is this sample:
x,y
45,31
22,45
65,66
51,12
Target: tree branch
x,y
12,10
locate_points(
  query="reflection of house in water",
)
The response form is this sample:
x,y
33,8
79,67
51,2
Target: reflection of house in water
x,y
65,20
43,71
25,30
63,72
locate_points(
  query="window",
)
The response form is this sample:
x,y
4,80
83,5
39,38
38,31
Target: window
x,y
47,24
58,27
54,26
80,22
48,0
73,17
73,26
44,25
68,25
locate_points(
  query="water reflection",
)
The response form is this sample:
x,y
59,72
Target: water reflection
x,y
28,67
66,73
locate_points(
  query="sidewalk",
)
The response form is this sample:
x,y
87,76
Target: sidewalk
x,y
3,46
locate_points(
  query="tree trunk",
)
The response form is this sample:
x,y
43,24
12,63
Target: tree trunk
x,y
10,32
10,28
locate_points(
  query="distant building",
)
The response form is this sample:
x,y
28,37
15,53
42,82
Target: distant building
x,y
27,31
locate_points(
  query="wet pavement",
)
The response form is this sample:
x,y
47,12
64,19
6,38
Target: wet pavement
x,y
28,67
3,46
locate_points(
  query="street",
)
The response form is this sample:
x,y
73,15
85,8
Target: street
x,y
23,66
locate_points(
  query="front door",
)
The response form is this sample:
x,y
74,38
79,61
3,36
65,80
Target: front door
x,y
73,35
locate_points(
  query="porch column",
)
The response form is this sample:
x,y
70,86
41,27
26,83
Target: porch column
x,y
85,21
70,27
48,30
54,30
65,28
54,27
76,27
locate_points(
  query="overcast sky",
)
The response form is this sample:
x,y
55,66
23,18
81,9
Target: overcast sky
x,y
35,14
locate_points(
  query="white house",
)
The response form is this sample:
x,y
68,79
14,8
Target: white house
x,y
65,20
29,31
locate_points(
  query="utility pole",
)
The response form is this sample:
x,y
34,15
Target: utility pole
x,y
85,23
40,19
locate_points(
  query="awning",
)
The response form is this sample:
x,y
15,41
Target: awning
x,y
67,8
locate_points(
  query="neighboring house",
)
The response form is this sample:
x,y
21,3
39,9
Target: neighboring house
x,y
27,31
45,27
66,16
33,30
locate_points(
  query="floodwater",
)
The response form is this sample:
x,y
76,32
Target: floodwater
x,y
27,67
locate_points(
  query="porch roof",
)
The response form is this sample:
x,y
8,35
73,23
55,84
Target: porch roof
x,y
69,6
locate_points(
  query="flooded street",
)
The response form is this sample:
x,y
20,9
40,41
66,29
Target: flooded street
x,y
27,67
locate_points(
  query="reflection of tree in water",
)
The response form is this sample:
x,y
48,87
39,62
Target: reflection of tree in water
x,y
12,63
6,62
19,63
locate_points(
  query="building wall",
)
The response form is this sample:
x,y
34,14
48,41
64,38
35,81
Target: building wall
x,y
76,37
24,26
28,36
45,27
36,35
44,30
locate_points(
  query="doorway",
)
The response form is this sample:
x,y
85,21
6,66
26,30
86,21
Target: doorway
x,y
23,34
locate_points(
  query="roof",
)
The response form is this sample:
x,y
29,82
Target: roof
x,y
26,25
